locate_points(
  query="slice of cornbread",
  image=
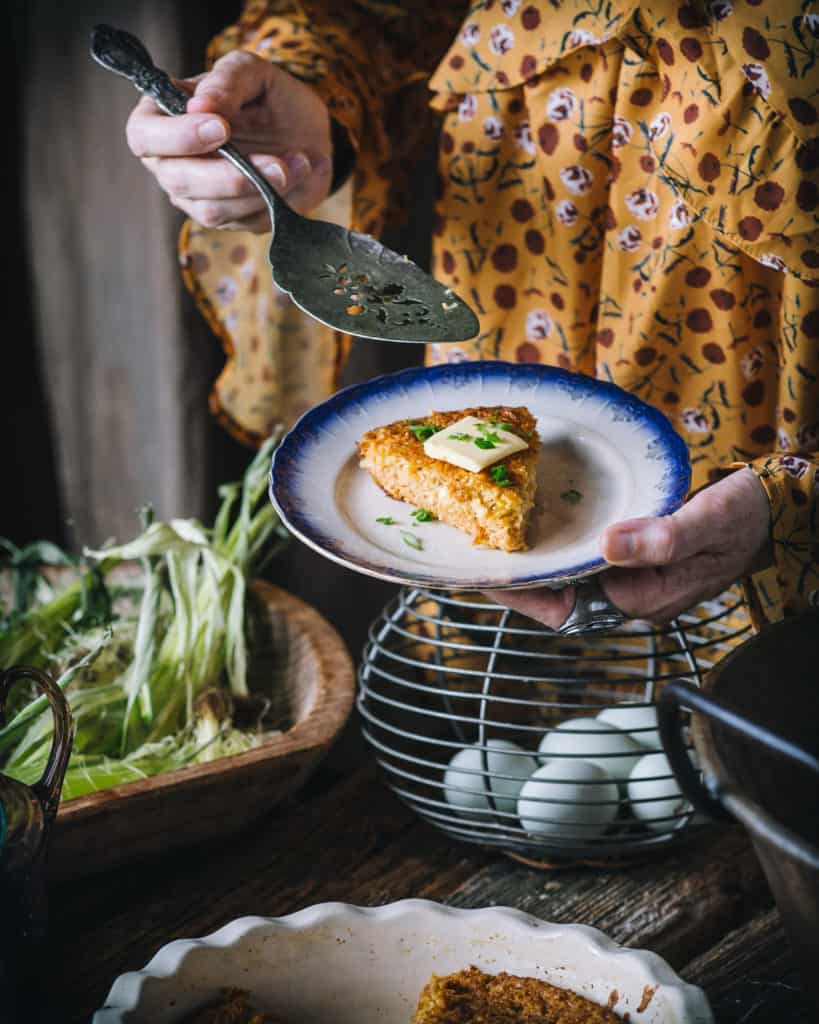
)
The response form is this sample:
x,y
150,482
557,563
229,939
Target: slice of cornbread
x,y
493,506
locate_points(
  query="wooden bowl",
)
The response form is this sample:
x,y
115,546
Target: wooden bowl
x,y
143,819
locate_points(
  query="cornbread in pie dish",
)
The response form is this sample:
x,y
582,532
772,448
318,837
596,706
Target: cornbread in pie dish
x,y
343,964
464,997
493,507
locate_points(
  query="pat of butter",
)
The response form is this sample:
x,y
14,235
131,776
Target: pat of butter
x,y
473,444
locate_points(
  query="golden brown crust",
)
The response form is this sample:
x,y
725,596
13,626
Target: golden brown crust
x,y
492,514
472,997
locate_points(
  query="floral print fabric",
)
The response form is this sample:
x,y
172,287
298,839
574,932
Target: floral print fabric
x,y
371,64
280,362
625,192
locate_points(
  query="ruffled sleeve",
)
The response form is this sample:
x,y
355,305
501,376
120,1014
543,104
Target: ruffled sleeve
x,y
792,486
790,473
744,157
363,59
370,61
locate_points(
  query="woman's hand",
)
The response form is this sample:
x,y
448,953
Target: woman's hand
x,y
668,564
272,117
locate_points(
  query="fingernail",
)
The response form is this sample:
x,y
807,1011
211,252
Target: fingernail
x,y
210,132
273,171
620,547
298,165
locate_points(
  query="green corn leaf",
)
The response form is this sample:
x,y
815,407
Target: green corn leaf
x,y
235,648
145,645
229,493
136,709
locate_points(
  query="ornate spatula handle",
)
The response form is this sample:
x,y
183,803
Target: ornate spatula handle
x,y
124,54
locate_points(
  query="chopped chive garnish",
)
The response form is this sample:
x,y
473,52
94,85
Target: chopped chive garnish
x,y
572,496
500,425
412,541
489,439
386,520
500,474
459,437
423,431
422,515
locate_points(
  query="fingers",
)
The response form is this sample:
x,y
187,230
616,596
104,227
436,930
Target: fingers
x,y
151,133
235,80
657,541
262,101
661,593
214,194
212,177
257,106
671,563
221,213
258,224
733,513
313,184
656,594
551,607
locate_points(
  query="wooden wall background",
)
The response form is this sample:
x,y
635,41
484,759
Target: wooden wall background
x,y
107,363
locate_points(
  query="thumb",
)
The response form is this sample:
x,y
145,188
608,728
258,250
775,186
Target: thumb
x,y
654,541
235,79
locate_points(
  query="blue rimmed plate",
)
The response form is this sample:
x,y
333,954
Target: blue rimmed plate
x,y
605,456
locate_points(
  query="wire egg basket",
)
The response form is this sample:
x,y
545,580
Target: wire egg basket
x,y
501,733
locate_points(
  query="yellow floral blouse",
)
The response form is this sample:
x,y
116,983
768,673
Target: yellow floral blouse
x,y
628,192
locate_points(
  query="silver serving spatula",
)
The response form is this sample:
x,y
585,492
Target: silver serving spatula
x,y
345,279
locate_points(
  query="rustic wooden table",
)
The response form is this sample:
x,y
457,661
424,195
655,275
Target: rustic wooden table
x,y
706,909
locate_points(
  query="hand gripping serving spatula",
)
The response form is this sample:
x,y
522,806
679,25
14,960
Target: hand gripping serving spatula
x,y
345,279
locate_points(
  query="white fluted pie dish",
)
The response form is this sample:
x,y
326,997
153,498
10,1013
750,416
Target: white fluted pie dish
x,y
349,965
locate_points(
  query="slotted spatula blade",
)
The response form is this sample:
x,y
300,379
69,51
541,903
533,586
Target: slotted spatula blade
x,y
363,288
342,278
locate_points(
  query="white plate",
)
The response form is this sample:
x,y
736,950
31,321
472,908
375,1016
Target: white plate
x,y
348,965
621,455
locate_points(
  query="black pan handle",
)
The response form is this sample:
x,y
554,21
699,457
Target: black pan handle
x,y
705,796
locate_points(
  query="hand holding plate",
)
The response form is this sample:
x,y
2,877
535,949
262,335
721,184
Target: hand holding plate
x,y
667,564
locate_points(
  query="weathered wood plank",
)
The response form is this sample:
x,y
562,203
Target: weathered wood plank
x,y
676,906
750,975
758,950
354,841
317,852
